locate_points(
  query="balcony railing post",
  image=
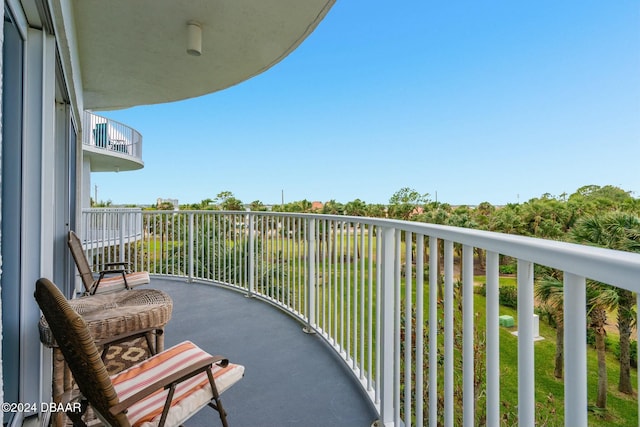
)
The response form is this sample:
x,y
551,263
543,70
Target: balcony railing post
x,y
252,255
449,334
122,216
311,277
526,362
468,361
575,342
190,237
493,340
387,343
433,332
105,238
138,235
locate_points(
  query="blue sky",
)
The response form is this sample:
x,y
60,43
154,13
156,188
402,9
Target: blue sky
x,y
497,101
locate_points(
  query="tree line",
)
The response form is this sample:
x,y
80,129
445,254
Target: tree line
x,y
548,216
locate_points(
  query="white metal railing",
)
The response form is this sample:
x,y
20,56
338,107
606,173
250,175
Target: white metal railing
x,y
104,229
111,135
369,288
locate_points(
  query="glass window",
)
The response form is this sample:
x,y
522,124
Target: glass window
x,y
11,143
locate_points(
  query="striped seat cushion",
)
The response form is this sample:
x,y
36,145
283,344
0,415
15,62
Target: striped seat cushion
x,y
190,395
116,282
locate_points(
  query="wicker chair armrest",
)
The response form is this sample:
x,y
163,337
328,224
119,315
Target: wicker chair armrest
x,y
178,377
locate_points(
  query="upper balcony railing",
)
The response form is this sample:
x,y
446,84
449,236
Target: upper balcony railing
x,y
110,135
371,288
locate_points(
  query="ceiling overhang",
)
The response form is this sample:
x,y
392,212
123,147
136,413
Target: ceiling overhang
x,y
135,52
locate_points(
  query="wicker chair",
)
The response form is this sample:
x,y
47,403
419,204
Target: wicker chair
x,y
164,390
112,318
116,277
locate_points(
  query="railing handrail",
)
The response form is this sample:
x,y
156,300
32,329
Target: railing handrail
x,y
112,121
111,209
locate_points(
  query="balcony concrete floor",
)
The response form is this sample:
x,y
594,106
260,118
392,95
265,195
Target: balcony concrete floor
x,y
291,378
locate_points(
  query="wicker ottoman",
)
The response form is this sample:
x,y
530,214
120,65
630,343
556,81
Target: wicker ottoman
x,y
109,315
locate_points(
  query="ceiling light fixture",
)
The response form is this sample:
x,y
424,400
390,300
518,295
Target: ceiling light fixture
x,y
194,38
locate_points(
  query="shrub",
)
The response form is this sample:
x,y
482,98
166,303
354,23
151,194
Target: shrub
x,y
633,350
610,343
508,269
508,295
481,290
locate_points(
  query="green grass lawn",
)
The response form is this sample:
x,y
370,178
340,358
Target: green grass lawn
x,y
622,409
504,280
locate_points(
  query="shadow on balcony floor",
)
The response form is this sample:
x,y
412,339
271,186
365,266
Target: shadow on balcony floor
x,y
291,379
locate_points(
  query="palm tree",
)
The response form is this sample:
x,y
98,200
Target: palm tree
x,y
621,231
257,206
333,208
376,210
355,208
507,220
600,299
304,206
550,291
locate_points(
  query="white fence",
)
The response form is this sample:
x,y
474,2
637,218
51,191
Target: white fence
x,y
104,229
369,287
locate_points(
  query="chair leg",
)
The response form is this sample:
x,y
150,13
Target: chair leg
x,y
218,407
76,417
159,340
167,405
150,344
217,404
58,386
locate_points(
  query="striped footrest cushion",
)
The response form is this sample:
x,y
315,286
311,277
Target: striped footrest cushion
x,y
190,395
116,282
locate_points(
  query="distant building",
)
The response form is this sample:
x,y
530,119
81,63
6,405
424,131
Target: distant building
x,y
163,202
316,206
